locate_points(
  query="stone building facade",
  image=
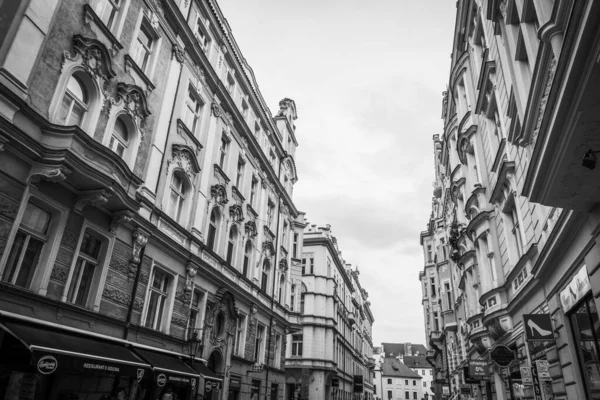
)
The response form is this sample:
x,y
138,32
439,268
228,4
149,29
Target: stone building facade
x,y
333,348
514,225
146,214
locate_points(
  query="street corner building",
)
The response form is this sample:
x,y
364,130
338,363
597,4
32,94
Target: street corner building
x,y
148,236
510,282
330,355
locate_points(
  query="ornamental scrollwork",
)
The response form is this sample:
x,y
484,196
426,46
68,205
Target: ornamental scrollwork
x,y
218,193
236,213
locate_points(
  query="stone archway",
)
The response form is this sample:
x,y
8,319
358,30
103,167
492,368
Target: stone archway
x,y
215,362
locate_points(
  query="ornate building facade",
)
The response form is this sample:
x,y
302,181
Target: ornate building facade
x,y
514,225
146,218
331,356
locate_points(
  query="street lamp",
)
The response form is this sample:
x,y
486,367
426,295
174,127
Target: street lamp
x,y
194,343
590,159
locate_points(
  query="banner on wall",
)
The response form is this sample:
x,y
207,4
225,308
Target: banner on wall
x,y
577,288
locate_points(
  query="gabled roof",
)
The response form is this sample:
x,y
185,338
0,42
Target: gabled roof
x,y
416,362
393,350
392,367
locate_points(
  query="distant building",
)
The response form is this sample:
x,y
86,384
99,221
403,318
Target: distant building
x,y
397,381
412,356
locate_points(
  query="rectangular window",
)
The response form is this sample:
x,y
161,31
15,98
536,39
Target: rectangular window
x,y
389,381
143,46
193,109
255,389
195,314
414,395
406,382
157,299
407,395
27,246
297,345
253,188
424,383
230,83
270,214
584,321
304,266
432,286
429,253
302,303
108,11
292,297
85,267
436,322
223,151
414,383
239,178
200,34
295,246
259,344
240,335
274,390
390,394
277,354
312,266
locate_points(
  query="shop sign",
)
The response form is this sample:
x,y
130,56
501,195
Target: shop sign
x,y
140,374
502,355
235,383
465,389
335,382
538,327
537,391
578,287
161,380
526,375
477,368
543,368
211,386
47,365
445,390
358,384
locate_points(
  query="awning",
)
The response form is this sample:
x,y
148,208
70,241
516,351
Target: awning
x,y
168,368
59,350
205,372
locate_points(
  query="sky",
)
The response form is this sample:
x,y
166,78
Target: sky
x,y
367,78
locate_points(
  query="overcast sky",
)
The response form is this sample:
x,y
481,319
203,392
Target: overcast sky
x,y
367,78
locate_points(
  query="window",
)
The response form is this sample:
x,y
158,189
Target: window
x,y
277,351
177,196
195,315
253,188
302,303
223,151
281,288
230,84
119,140
27,246
157,298
75,103
414,395
143,46
239,336
424,383
200,35
297,345
514,228
423,373
284,235
429,253
265,276
85,267
304,266
584,320
295,246
107,10
406,381
407,395
414,382
274,390
390,394
436,321
192,111
255,389
247,257
448,295
258,343
212,229
432,286
270,212
293,297
312,266
239,179
389,381
231,244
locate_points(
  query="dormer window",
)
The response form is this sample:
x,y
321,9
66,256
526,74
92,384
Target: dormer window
x,y
74,104
120,138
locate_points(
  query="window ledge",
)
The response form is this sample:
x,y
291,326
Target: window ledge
x,y
219,173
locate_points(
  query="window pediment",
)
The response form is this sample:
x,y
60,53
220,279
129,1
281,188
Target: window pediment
x,y
134,100
184,158
95,57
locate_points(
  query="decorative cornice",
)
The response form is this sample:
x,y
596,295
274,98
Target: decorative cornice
x,y
91,198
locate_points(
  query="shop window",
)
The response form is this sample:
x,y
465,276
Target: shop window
x,y
87,268
196,314
157,299
75,103
584,322
247,258
144,46
265,276
297,345
215,218
240,335
193,110
231,244
177,195
259,350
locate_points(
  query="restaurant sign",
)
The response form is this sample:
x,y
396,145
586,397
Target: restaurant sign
x,y
578,287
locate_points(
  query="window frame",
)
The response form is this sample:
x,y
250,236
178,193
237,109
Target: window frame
x,y
182,193
297,346
240,338
116,26
232,245
200,311
196,115
164,325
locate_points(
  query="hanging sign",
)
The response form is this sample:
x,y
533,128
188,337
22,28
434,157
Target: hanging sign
x,y
526,375
538,327
543,368
575,290
477,368
537,390
502,355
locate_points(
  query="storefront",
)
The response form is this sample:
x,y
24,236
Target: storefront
x,y
580,308
211,385
46,364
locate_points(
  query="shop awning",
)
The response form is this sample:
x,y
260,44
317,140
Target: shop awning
x,y
205,372
55,349
168,368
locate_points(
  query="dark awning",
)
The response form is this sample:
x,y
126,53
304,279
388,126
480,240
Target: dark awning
x,y
205,372
168,368
54,349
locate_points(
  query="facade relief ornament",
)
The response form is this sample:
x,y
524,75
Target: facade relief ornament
x,y
140,239
283,264
218,194
178,53
236,213
52,174
184,158
94,56
93,198
191,272
134,100
544,100
216,109
250,228
268,248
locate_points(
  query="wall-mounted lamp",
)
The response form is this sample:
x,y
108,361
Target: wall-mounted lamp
x,y
194,343
590,159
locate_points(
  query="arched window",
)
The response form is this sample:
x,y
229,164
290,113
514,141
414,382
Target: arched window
x,y
119,140
212,229
231,244
74,104
247,257
177,196
281,287
265,276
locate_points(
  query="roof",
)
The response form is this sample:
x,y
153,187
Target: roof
x,y
416,361
392,367
392,350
